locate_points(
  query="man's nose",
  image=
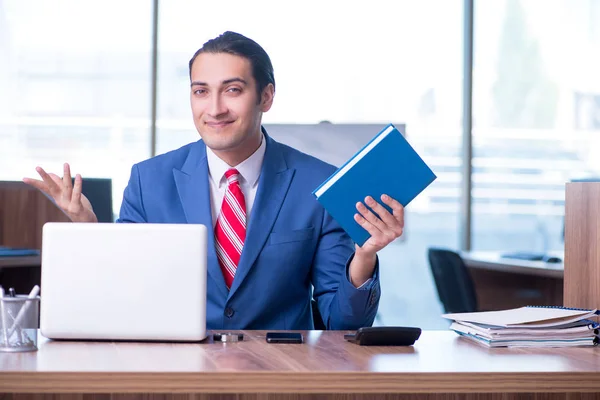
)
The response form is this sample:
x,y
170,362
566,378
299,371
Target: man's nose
x,y
217,106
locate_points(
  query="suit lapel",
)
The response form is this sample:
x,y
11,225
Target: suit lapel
x,y
273,184
194,193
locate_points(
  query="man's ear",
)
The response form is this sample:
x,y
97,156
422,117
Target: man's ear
x,y
266,100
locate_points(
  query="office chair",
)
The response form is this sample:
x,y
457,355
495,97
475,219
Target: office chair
x,y
453,281
99,193
318,320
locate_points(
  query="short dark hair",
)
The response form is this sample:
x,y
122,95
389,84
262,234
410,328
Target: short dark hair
x,y
239,45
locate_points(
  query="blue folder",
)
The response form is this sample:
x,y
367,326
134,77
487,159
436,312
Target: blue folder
x,y
386,165
14,252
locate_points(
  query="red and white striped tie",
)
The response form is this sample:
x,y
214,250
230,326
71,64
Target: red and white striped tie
x,y
230,229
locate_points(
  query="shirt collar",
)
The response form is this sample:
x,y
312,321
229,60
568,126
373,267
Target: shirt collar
x,y
249,169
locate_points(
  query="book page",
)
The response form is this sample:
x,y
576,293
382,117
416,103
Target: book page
x,y
527,316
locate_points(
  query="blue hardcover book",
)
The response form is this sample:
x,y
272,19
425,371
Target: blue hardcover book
x,y
387,164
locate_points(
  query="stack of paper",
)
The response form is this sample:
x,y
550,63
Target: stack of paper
x,y
528,327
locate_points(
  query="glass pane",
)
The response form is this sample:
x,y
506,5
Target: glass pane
x,y
536,118
74,87
381,62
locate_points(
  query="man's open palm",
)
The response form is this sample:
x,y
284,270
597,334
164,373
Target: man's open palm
x,y
66,195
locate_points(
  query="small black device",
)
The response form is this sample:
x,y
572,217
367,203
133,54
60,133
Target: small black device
x,y
552,259
385,336
284,337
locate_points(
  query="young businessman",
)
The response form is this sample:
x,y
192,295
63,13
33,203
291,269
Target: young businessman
x,y
269,239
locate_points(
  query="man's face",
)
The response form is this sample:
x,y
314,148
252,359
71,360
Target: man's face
x,y
226,108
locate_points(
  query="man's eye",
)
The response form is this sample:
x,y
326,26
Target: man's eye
x,y
199,91
235,90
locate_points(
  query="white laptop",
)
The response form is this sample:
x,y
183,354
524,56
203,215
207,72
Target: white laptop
x,y
113,281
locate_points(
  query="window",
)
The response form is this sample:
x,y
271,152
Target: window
x,y
535,118
75,87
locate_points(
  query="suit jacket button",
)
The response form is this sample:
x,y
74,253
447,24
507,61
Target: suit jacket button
x,y
229,312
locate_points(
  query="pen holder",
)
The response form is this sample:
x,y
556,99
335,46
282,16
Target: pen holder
x,y
18,323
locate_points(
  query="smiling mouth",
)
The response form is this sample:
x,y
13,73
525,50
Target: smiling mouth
x,y
219,124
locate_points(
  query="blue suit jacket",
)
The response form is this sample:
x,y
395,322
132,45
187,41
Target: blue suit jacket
x,y
291,241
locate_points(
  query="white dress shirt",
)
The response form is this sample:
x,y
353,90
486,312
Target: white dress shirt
x,y
249,170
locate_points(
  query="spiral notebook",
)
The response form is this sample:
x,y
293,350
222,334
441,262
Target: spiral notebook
x,y
528,316
532,342
530,326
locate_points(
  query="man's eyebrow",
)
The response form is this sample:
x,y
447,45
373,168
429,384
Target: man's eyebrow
x,y
231,80
225,82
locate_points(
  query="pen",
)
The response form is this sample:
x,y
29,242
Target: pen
x,y
23,311
3,312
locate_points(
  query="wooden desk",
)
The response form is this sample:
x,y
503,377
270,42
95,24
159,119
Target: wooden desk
x,y
493,261
440,365
25,261
503,283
